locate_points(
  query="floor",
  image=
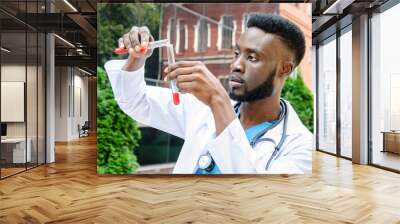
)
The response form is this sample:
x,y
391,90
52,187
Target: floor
x,y
13,170
70,191
388,159
10,171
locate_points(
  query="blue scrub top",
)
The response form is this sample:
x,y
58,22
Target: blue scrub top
x,y
251,132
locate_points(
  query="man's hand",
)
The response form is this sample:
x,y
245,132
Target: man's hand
x,y
194,77
134,40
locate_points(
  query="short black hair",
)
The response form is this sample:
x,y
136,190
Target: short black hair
x,y
290,33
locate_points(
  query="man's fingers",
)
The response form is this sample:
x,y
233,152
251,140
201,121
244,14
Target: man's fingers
x,y
186,78
182,71
187,87
126,41
179,64
134,36
144,34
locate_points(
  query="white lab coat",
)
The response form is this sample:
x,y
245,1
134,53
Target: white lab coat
x,y
193,121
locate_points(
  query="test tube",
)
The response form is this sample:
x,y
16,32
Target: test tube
x,y
152,45
171,60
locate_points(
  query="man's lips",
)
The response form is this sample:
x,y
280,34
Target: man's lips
x,y
235,84
235,81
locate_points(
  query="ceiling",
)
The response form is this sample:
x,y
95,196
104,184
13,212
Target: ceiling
x,y
329,15
72,20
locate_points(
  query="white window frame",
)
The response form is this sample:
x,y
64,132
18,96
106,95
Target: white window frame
x,y
234,33
208,35
196,36
177,38
186,37
169,29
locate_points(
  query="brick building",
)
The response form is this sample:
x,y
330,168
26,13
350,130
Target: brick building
x,y
208,31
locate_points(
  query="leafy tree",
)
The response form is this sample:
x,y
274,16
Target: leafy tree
x,y
117,134
301,98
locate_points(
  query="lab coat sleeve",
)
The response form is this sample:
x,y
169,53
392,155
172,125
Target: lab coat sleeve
x,y
148,105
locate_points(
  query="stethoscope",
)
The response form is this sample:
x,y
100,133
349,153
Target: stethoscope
x,y
206,162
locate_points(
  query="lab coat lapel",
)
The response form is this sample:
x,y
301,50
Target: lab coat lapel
x,y
195,146
274,133
293,125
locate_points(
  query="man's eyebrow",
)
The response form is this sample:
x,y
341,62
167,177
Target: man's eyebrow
x,y
253,50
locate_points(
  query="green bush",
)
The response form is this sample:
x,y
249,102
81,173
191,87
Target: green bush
x,y
117,134
301,98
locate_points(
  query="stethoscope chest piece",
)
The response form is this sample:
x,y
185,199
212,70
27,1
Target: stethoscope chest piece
x,y
206,162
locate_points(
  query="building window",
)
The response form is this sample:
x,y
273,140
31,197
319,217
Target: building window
x,y
202,34
227,32
385,89
346,94
171,31
327,96
181,36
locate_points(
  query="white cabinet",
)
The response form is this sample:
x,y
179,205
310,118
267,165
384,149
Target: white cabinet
x,y
18,149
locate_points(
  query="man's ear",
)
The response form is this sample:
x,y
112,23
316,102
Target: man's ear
x,y
285,69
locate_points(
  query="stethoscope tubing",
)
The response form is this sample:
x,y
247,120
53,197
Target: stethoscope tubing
x,y
257,138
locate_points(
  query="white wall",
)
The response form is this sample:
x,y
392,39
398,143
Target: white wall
x,y
70,83
33,127
12,73
61,103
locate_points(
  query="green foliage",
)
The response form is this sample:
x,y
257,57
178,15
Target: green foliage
x,y
301,98
117,134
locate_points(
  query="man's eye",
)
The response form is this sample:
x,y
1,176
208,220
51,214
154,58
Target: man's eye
x,y
251,58
236,54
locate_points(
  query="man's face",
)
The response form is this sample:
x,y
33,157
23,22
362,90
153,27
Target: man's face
x,y
254,67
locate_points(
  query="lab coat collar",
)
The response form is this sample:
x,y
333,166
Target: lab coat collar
x,y
294,124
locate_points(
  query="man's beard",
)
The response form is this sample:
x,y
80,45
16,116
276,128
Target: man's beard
x,y
262,91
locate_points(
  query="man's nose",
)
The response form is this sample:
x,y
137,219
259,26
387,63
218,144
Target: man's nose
x,y
237,65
